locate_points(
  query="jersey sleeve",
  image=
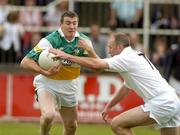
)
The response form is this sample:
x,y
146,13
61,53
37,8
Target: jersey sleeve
x,y
117,63
42,45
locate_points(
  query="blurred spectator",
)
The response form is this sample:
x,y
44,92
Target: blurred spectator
x,y
3,11
22,2
160,49
35,38
31,18
43,2
28,45
172,67
163,18
52,18
174,22
125,14
10,43
98,40
136,42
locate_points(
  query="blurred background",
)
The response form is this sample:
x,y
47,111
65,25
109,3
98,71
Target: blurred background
x,y
153,27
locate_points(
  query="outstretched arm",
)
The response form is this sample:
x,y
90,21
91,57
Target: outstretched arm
x,y
93,63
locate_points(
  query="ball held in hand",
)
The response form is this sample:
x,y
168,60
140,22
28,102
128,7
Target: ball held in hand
x,y
46,60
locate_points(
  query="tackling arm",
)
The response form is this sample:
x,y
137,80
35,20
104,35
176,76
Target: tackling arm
x,y
93,63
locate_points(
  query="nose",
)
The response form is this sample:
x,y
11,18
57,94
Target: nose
x,y
71,25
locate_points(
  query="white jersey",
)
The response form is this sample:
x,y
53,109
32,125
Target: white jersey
x,y
139,74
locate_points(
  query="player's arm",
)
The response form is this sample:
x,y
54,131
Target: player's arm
x,y
30,64
118,96
93,63
116,99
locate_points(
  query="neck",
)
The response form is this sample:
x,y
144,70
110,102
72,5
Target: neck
x,y
69,38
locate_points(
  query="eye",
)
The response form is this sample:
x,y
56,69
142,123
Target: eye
x,y
67,23
74,23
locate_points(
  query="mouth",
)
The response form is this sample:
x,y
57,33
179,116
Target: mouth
x,y
71,30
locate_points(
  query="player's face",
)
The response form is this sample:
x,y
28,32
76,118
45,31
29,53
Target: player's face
x,y
69,27
113,49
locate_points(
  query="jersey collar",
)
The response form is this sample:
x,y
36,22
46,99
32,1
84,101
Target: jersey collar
x,y
62,35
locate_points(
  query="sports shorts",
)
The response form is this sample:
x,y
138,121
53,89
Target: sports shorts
x,y
164,109
175,84
65,91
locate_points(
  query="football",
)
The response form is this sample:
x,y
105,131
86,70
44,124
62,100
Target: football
x,y
46,60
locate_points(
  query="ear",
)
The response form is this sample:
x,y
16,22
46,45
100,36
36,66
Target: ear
x,y
120,47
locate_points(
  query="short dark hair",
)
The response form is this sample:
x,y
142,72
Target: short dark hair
x,y
121,38
68,14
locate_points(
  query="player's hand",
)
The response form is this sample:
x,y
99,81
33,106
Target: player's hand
x,y
105,114
84,44
53,70
58,53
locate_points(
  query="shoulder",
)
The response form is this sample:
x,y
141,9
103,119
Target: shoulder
x,y
44,42
54,38
52,35
127,52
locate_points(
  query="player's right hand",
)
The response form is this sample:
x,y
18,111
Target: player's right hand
x,y
53,70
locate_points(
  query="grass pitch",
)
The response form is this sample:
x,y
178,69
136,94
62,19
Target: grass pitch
x,y
24,128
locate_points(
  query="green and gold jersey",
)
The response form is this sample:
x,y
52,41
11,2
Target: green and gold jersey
x,y
57,40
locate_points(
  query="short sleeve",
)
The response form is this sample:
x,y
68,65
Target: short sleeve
x,y
42,45
117,63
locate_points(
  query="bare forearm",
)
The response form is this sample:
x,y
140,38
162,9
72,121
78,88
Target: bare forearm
x,y
92,54
119,96
30,64
93,63
85,61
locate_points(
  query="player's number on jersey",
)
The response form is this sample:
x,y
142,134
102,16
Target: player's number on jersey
x,y
142,54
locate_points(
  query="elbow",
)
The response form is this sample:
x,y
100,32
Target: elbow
x,y
23,63
95,66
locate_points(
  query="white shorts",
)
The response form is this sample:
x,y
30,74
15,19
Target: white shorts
x,y
175,84
164,109
65,91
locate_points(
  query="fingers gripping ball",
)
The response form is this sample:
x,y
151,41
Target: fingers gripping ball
x,y
46,60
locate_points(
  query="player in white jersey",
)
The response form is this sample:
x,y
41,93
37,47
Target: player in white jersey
x,y
161,105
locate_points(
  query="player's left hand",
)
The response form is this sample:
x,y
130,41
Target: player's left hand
x,y
84,44
105,114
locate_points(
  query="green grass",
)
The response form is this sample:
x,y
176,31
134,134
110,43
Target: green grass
x,y
83,129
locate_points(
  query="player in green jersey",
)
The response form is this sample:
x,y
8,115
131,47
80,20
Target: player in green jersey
x,y
56,88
